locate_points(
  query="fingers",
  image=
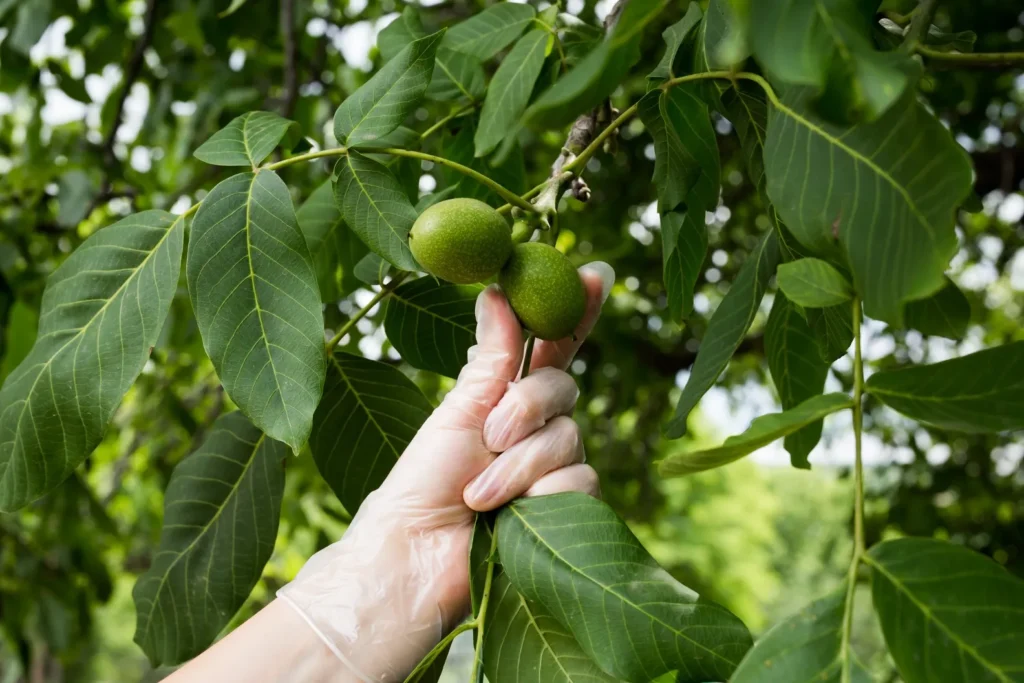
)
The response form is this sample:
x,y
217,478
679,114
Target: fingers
x,y
556,445
577,477
598,278
527,405
493,362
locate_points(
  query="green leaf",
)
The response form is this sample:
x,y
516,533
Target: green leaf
x,y
727,328
486,34
432,324
19,337
948,613
257,305
761,432
335,249
594,78
666,115
382,103
221,511
833,330
246,141
371,269
101,314
883,195
813,283
947,313
803,647
596,579
232,8
510,172
980,392
509,90
375,207
798,370
456,75
369,414
674,36
826,45
684,239
479,556
524,643
30,23
407,28
76,192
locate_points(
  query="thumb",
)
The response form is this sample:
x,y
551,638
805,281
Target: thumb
x,y
493,362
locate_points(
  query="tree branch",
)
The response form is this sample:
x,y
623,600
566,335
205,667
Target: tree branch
x,y
919,25
131,74
971,60
291,75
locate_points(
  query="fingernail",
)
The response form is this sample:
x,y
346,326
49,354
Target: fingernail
x,y
482,310
603,271
481,490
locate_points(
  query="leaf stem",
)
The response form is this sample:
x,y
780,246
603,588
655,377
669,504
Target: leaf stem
x,y
528,355
971,60
845,654
361,313
429,658
308,156
481,616
919,25
504,192
440,124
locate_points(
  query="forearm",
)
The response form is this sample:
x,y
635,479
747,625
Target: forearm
x,y
274,646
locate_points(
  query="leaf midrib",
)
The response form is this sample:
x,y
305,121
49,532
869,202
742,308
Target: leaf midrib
x,y
929,616
541,634
607,589
405,72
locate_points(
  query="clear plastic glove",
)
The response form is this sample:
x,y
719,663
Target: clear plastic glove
x,y
398,581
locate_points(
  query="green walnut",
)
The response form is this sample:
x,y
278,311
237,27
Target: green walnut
x,y
461,241
544,289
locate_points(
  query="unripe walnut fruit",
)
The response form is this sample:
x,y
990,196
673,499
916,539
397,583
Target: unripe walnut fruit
x,y
461,240
545,290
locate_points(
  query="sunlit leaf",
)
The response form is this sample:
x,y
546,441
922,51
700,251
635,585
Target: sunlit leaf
x,y
761,432
510,89
375,207
813,283
598,582
486,34
798,370
947,313
257,304
949,615
246,141
101,314
727,328
432,324
524,643
369,413
882,195
221,511
335,249
804,647
590,81
382,103
979,392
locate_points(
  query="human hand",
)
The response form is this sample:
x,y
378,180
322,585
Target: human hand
x,y
398,580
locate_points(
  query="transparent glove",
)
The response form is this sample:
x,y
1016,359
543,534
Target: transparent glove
x,y
398,581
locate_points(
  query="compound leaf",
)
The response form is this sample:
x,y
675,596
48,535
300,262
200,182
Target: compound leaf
x,y
257,304
246,141
101,314
948,613
369,414
432,324
221,511
598,582
977,393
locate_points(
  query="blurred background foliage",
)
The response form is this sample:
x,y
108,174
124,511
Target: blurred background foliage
x,y
102,103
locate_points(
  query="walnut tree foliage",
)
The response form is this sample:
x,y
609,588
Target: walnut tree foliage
x,y
778,185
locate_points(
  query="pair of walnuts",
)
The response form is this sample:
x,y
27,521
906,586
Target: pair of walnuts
x,y
466,241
